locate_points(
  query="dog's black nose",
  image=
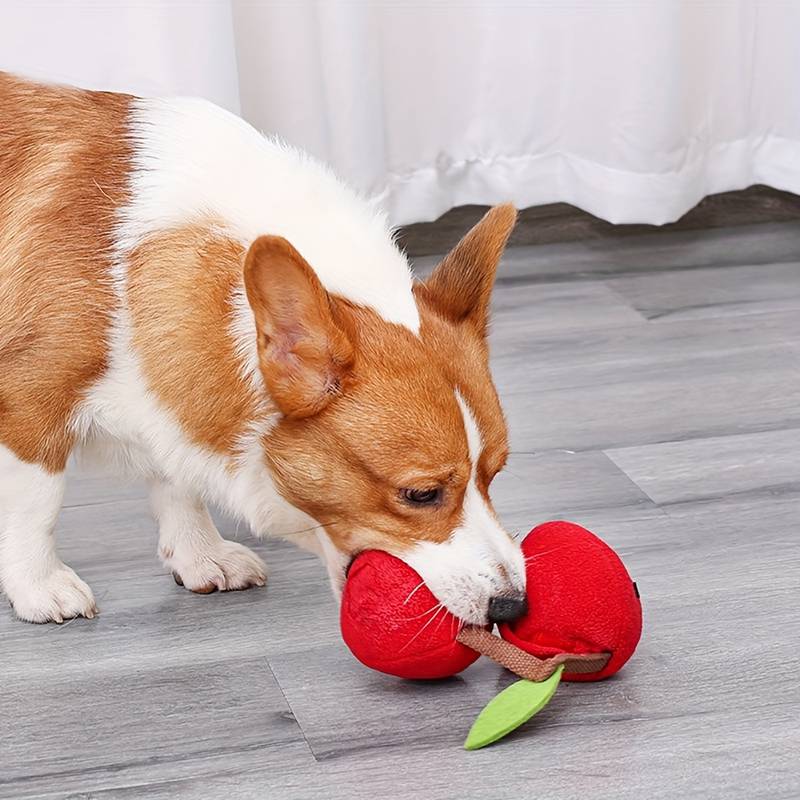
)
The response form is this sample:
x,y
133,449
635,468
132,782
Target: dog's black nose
x,y
507,607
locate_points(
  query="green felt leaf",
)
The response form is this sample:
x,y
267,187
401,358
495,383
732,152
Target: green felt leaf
x,y
513,706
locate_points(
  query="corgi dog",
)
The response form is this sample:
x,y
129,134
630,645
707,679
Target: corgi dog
x,y
207,308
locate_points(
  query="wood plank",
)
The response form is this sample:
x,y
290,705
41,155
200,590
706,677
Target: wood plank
x,y
586,488
699,293
625,386
112,727
724,754
88,487
735,469
146,619
539,309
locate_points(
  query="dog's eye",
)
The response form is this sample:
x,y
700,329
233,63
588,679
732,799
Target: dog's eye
x,y
421,497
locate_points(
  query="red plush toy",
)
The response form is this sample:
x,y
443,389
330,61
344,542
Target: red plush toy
x,y
583,623
581,599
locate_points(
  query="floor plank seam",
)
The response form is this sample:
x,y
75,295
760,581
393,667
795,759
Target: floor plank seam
x,y
610,451
607,454
744,312
172,758
291,711
99,503
625,301
700,436
788,489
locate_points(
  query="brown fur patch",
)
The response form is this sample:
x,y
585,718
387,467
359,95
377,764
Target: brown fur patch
x,y
180,288
64,163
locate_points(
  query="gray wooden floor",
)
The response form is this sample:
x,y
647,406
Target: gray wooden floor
x,y
652,386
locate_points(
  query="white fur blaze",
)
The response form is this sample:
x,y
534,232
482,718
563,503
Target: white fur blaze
x,y
480,559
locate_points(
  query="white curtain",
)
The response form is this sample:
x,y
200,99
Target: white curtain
x,y
631,109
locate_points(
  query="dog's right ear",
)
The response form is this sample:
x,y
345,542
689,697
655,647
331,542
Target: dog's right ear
x,y
460,287
304,356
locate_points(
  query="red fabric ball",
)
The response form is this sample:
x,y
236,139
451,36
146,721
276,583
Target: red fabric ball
x,y
389,624
581,599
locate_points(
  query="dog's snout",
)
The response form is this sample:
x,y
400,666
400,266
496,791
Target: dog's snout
x,y
507,607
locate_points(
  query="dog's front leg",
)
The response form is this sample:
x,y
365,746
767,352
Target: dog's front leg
x,y
191,547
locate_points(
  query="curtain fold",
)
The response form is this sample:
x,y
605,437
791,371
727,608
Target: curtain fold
x,y
630,109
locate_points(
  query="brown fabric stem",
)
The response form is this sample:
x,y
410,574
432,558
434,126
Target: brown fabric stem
x,y
524,664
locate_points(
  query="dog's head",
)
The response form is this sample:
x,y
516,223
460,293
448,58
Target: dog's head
x,y
388,438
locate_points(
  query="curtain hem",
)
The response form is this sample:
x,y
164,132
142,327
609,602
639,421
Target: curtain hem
x,y
613,194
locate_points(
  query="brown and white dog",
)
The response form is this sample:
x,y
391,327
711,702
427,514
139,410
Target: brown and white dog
x,y
205,307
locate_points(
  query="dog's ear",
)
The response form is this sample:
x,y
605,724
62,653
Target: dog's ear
x,y
304,355
460,287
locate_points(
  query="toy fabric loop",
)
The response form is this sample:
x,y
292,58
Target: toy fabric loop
x,y
524,664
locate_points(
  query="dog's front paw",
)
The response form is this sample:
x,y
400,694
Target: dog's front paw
x,y
57,596
226,566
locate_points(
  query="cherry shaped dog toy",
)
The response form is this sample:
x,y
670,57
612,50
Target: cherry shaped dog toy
x,y
583,624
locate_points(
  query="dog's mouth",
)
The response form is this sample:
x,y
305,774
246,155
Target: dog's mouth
x,y
479,603
482,599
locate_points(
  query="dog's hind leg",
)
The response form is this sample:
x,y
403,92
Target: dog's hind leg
x,y
39,585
